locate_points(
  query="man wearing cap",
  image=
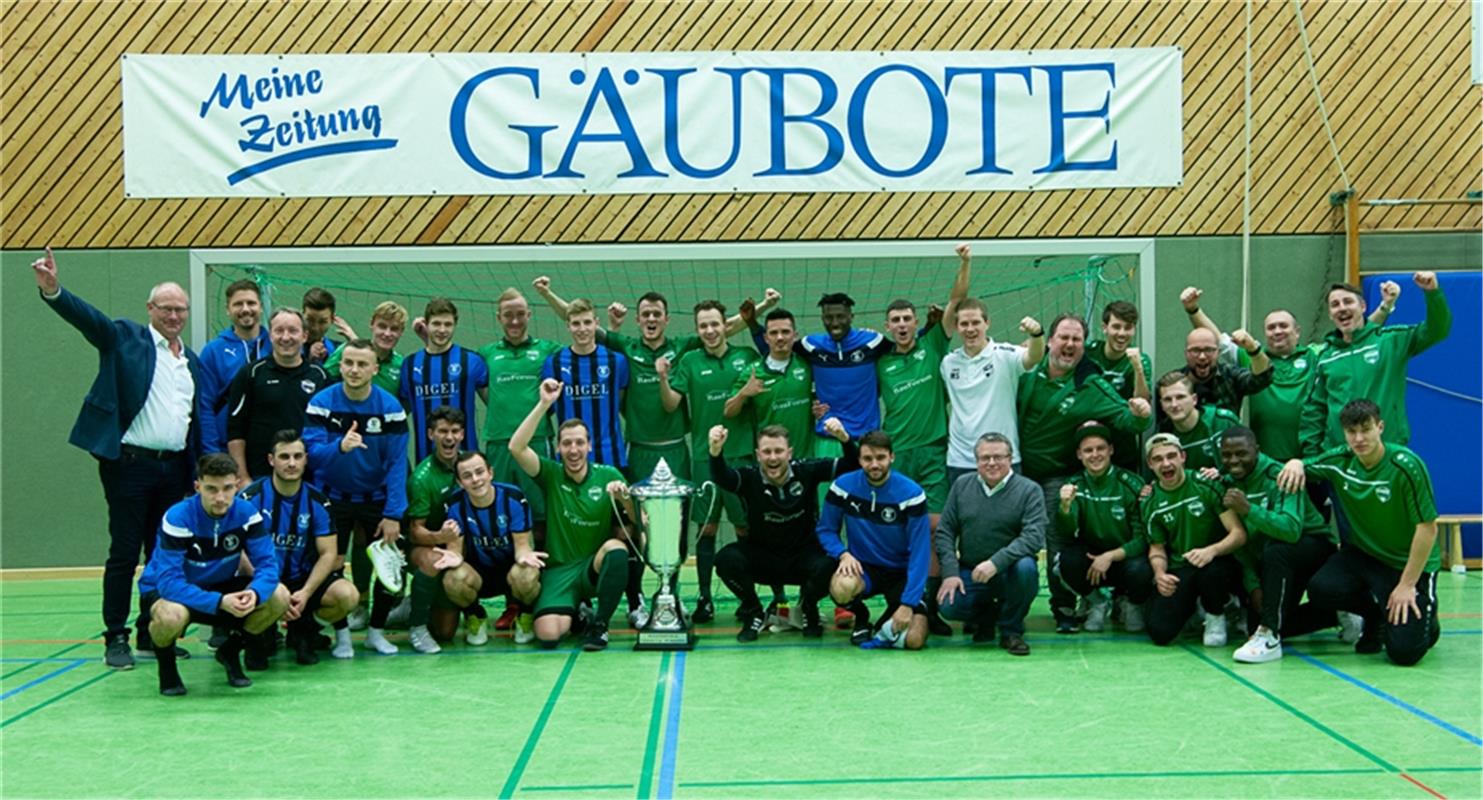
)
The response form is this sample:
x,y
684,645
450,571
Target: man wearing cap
x,y
1192,537
1099,524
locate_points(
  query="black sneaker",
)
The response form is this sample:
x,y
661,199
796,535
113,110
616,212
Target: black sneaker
x,y
1067,625
813,627
229,656
863,631
596,637
705,611
752,624
1014,644
257,650
116,652
983,633
1371,639
304,647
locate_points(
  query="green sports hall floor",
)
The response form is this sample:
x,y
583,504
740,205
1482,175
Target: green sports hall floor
x,y
1089,715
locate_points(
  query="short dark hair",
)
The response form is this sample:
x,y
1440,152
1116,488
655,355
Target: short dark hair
x,y
711,305
973,304
1172,377
438,307
448,414
468,455
1348,287
837,299
216,465
1356,412
774,431
319,299
1123,310
901,304
878,439
1241,432
654,297
780,313
285,436
361,343
1067,317
573,422
243,285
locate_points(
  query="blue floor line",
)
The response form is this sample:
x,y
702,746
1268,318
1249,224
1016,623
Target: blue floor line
x,y
43,679
1392,699
672,730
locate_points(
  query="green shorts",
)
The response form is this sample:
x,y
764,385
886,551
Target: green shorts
x,y
705,497
643,458
927,465
565,586
503,469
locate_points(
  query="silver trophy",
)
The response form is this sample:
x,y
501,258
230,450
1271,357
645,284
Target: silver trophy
x,y
659,502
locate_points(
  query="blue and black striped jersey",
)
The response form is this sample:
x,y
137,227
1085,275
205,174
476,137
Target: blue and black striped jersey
x,y
487,530
294,522
445,379
594,385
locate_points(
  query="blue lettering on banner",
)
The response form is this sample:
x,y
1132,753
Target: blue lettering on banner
x,y
988,93
1059,115
284,139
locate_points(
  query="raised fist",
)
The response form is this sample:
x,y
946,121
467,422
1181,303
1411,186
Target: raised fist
x,y
1190,298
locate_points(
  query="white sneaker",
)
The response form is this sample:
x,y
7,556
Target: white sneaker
x,y
475,631
343,648
422,640
376,641
525,629
1097,611
1351,626
1215,630
638,616
358,618
388,562
786,618
1260,648
1132,616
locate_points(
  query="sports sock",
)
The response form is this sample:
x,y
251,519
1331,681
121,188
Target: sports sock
x,y
382,602
170,683
476,608
360,569
635,588
705,563
611,578
424,589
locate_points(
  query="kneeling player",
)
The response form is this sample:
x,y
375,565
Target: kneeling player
x,y
781,500
890,543
1387,572
297,517
1098,517
584,558
192,575
493,523
1191,559
1288,542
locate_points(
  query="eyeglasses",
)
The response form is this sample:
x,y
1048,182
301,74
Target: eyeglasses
x,y
175,310
994,458
1202,351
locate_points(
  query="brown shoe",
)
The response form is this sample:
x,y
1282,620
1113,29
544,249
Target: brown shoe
x,y
1015,644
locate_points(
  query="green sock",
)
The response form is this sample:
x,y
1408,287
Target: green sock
x,y
424,588
611,578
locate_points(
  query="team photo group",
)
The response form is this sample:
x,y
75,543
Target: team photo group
x,y
300,478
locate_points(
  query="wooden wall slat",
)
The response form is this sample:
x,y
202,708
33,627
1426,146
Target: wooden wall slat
x,y
1395,76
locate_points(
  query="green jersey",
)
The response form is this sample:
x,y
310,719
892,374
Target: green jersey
x,y
1185,518
1383,503
1202,442
1274,514
1126,452
788,401
388,376
579,516
1372,366
432,485
514,385
646,421
705,381
1051,409
1104,513
1277,410
912,392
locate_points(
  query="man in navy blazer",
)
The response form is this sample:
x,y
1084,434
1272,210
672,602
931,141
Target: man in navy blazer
x,y
139,421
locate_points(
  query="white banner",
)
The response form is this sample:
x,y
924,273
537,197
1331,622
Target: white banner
x,y
624,123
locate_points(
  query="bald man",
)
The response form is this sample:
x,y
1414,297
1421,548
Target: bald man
x,y
139,421
1221,384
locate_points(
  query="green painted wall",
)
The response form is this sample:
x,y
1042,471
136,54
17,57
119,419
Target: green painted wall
x,y
51,506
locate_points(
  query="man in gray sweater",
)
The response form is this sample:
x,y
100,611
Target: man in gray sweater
x,y
991,531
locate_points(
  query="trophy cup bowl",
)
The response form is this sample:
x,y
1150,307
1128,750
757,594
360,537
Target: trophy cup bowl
x,y
659,501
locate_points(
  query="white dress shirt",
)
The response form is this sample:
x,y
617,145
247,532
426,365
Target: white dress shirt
x,y
164,421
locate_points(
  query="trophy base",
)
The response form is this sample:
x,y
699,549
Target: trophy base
x,y
668,628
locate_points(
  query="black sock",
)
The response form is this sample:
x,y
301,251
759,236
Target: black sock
x,y
612,576
340,624
424,588
779,593
229,655
635,588
361,572
862,614
382,602
476,608
170,683
705,562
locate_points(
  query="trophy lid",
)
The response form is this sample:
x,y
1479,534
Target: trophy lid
x,y
662,483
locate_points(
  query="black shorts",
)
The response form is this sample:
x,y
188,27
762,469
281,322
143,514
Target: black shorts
x,y
887,583
495,577
317,599
345,515
236,584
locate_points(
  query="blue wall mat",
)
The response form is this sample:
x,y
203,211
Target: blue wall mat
x,y
1444,401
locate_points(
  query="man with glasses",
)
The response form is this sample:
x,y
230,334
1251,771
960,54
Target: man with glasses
x,y
1220,384
138,420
